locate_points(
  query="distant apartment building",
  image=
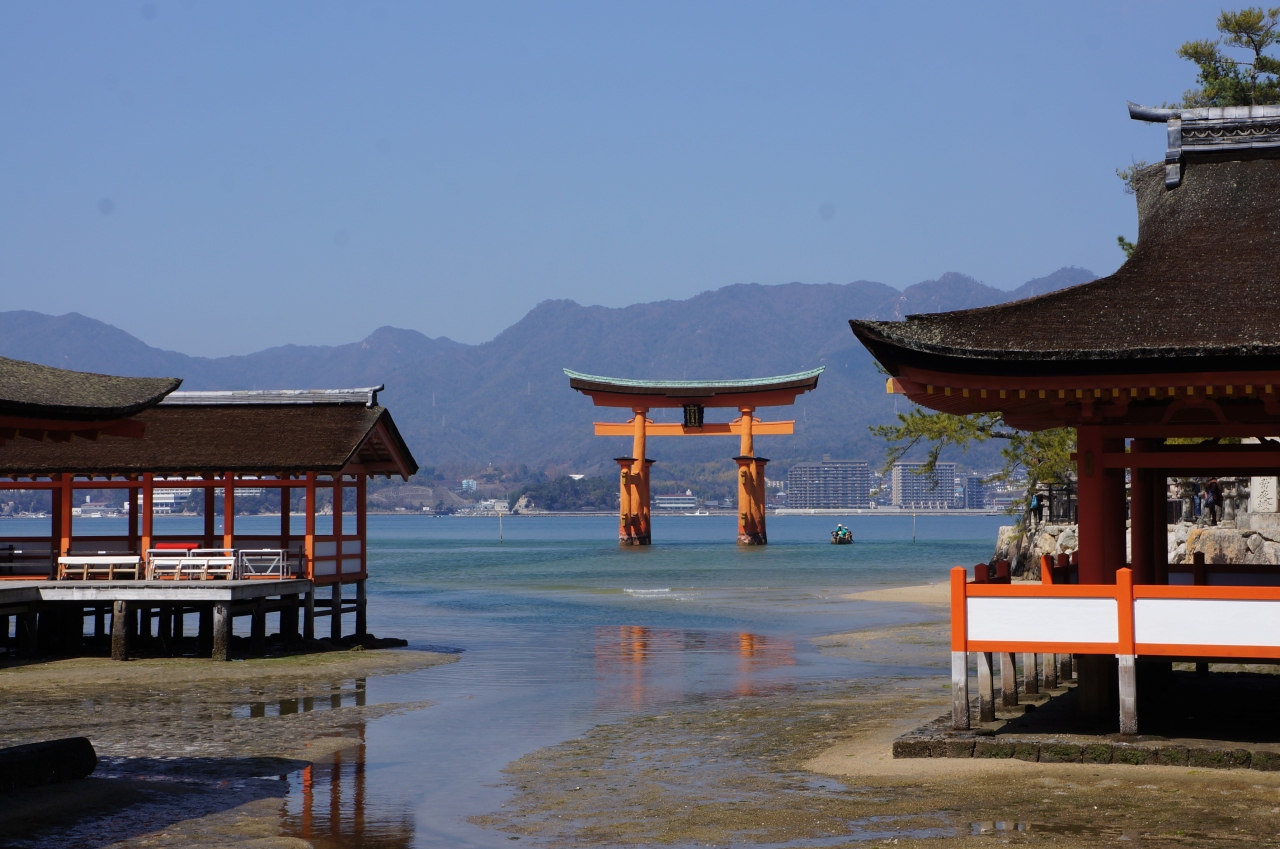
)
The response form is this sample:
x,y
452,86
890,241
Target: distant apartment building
x,y
468,485
912,491
688,501
165,501
829,484
975,493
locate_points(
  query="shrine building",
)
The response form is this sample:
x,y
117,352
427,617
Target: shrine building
x,y
1168,368
308,453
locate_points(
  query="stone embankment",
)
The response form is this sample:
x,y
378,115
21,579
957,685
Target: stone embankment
x,y
1255,539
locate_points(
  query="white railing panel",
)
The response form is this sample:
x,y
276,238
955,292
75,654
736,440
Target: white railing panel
x,y
1043,620
1206,622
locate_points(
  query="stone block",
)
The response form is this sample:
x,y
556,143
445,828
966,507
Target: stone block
x,y
1060,753
952,749
1027,751
1265,760
993,749
1097,753
1210,758
1171,756
1266,524
1219,545
1068,541
1254,542
1135,755
912,748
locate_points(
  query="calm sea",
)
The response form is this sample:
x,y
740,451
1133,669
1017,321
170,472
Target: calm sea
x,y
559,630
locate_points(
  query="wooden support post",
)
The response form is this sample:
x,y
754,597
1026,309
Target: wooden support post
x,y
1050,671
335,613
99,621
639,479
28,629
960,690
258,628
289,618
1128,695
1199,571
626,535
1065,671
204,632
362,603
1008,680
1030,674
4,634
760,500
228,510
362,520
221,630
1097,689
120,615
645,532
309,615
165,628
65,497
986,688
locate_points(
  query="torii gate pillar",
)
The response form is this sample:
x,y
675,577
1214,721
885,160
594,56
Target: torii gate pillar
x,y
633,487
751,494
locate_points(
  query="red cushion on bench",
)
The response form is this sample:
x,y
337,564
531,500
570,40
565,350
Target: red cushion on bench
x,y
176,546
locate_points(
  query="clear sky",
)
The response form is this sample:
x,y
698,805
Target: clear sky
x,y
218,178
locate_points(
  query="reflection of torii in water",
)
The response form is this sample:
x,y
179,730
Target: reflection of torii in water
x,y
694,396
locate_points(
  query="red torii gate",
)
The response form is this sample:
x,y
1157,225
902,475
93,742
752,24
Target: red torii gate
x,y
694,396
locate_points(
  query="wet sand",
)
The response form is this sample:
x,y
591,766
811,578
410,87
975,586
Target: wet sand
x,y
812,766
939,593
190,751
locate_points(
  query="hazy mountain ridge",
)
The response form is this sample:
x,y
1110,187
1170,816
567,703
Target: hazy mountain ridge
x,y
506,400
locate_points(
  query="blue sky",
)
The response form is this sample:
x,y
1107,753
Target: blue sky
x,y
218,178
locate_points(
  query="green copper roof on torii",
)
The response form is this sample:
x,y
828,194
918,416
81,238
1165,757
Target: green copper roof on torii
x,y
803,381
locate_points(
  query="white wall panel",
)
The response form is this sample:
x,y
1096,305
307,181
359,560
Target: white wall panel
x,y
1207,622
1047,620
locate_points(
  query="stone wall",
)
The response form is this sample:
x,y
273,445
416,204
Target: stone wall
x,y
1256,539
1025,548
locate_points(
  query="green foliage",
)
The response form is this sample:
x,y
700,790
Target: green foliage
x,y
1044,456
1130,175
565,493
1225,81
1127,246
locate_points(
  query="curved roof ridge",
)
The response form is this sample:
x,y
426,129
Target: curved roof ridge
x,y
750,382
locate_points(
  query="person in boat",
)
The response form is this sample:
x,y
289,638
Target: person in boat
x,y
840,533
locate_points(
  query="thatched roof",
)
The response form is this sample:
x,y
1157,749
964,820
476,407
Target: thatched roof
x,y
33,391
1201,293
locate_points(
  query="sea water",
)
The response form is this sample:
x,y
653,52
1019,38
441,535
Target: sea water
x,y
557,629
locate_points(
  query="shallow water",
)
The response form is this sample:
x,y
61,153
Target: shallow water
x,y
561,630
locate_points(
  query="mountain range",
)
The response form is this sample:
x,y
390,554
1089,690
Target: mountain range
x,y
506,401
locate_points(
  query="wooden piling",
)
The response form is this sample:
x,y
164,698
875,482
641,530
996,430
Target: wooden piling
x,y
120,615
309,615
1030,673
221,630
289,618
362,604
1008,680
258,628
986,688
204,634
1128,695
1050,671
960,690
335,613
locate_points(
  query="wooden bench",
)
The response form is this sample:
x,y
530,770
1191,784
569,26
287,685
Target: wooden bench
x,y
98,566
196,564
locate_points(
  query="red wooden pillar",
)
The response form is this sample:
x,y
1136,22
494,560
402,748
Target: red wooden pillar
x,y
285,518
310,519
1159,526
1100,507
337,523
132,495
1141,539
148,501
65,501
210,494
228,510
362,521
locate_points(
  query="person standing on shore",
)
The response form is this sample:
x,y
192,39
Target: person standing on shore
x,y
1213,500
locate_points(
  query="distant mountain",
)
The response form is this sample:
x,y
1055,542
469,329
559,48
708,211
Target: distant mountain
x,y
507,401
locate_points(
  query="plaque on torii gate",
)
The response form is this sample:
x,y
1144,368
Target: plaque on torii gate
x,y
640,396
